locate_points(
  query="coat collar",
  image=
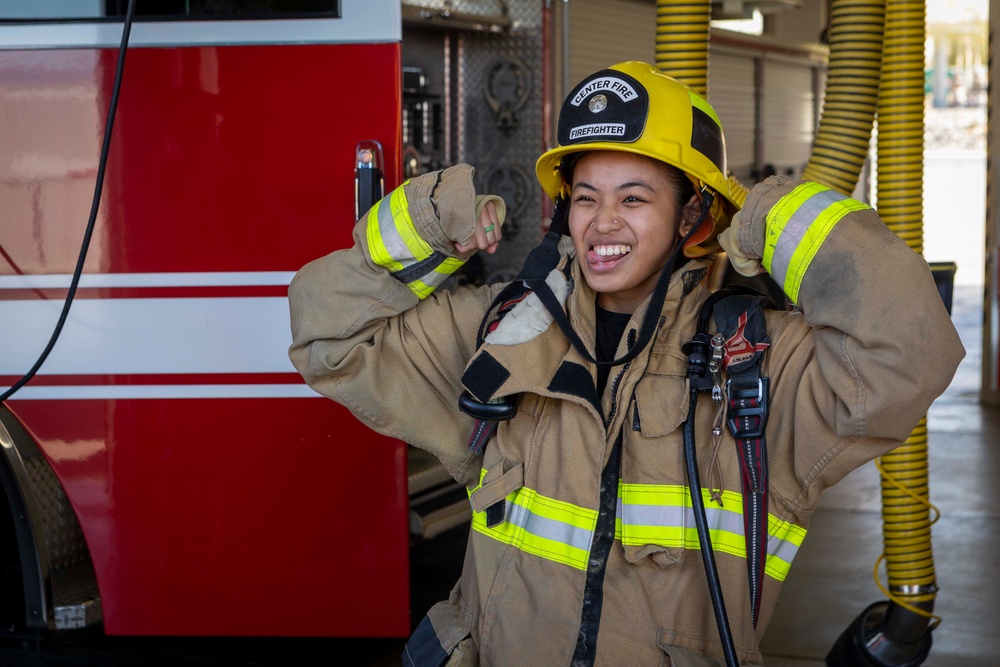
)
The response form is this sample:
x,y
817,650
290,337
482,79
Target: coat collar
x,y
545,363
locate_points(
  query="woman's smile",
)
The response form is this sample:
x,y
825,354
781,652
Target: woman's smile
x,y
605,257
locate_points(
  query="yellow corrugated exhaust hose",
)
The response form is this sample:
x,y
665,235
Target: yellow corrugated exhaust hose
x,y
682,41
906,509
852,88
682,34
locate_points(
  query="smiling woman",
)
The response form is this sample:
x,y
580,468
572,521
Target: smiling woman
x,y
591,534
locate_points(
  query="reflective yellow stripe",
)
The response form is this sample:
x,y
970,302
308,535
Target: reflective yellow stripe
x,y
544,527
393,242
400,207
647,514
663,514
809,246
783,542
431,281
392,238
796,227
778,217
702,103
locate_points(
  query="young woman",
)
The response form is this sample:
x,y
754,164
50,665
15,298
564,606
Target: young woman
x,y
584,547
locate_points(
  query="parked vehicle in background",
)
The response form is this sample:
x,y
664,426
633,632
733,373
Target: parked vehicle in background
x,y
167,471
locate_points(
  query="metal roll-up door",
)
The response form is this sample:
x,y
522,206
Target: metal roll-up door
x,y
605,32
732,91
788,117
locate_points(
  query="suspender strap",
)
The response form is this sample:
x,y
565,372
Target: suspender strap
x,y
747,417
741,320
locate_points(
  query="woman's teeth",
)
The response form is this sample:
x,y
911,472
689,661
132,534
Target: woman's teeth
x,y
610,250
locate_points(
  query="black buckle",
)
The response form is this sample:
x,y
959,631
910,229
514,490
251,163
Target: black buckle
x,y
744,404
497,410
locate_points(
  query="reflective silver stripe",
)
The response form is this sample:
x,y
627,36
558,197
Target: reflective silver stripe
x,y
783,549
796,228
391,238
550,529
652,515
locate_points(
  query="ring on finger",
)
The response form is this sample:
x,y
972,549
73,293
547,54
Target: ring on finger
x,y
490,228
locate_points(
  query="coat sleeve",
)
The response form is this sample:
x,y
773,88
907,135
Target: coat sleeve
x,y
370,332
871,345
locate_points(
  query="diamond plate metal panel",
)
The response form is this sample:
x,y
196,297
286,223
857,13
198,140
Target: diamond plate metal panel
x,y
500,131
63,536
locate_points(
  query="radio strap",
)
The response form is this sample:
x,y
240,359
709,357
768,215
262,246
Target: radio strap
x,y
740,320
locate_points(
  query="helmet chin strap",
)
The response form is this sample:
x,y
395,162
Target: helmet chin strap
x,y
544,258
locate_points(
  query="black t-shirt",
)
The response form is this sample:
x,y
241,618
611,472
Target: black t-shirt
x,y
610,328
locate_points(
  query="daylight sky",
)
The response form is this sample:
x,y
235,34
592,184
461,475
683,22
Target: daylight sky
x,y
955,11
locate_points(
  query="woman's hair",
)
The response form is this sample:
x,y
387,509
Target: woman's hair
x,y
682,185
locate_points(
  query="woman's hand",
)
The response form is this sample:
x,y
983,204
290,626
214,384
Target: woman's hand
x,y
744,263
487,235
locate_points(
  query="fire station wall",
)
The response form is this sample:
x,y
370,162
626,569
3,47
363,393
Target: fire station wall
x,y
603,32
990,392
806,23
788,113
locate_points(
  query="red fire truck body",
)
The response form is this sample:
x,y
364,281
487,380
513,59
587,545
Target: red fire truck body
x,y
217,494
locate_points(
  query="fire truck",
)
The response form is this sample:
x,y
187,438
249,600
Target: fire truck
x,y
165,471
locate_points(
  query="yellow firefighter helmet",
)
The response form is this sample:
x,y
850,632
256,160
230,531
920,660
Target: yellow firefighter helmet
x,y
633,107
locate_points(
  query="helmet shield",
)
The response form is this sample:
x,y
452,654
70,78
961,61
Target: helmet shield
x,y
606,106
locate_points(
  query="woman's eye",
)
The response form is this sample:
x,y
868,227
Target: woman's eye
x,y
582,198
632,199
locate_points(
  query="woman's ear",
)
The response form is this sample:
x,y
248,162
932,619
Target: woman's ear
x,y
689,214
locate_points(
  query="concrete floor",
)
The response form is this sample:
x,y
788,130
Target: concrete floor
x,y
831,581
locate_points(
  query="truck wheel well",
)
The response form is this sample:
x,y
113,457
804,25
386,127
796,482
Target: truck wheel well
x,y
16,549
47,580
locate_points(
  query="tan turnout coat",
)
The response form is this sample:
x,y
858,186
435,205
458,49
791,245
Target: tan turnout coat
x,y
852,370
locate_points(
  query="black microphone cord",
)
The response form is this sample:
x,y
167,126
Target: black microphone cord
x,y
98,187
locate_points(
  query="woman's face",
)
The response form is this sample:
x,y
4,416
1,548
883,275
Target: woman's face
x,y
624,220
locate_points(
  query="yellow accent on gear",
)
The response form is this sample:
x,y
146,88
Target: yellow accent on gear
x,y
810,239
